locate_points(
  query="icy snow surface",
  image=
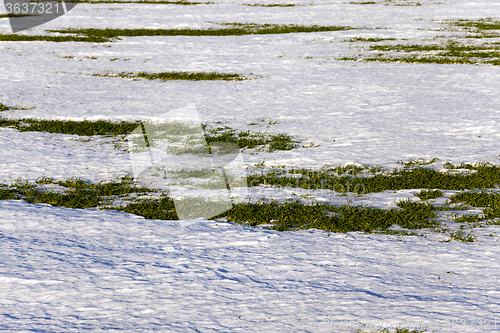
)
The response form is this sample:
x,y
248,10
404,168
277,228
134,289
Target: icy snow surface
x,y
65,269
72,270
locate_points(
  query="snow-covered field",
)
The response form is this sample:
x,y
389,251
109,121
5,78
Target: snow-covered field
x,y
71,270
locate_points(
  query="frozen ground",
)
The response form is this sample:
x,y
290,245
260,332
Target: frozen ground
x,y
75,270
71,270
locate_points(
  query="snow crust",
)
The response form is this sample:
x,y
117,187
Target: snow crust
x,y
68,270
71,270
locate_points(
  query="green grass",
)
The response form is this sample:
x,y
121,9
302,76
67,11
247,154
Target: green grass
x,y
460,236
478,25
14,15
159,2
243,139
452,51
398,330
57,39
160,209
189,76
271,5
83,128
181,2
289,215
110,35
448,53
78,194
249,140
489,200
5,107
429,194
368,40
356,181
470,218
387,3
236,29
431,60
478,199
293,215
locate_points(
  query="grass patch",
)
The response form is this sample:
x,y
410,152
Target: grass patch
x,y
294,215
470,218
243,139
361,180
449,53
290,215
4,107
271,5
452,51
159,2
236,29
78,194
489,200
478,199
398,330
368,40
250,140
14,15
387,3
429,194
282,216
56,39
162,209
83,128
460,236
478,25
189,76
110,35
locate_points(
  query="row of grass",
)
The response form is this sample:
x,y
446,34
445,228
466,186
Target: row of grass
x,y
490,201
14,15
484,176
235,29
78,194
55,39
154,2
5,107
387,3
83,128
243,139
157,2
289,215
180,2
478,26
187,76
109,35
249,140
450,52
294,215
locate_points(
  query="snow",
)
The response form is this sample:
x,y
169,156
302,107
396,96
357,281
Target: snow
x,y
71,270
